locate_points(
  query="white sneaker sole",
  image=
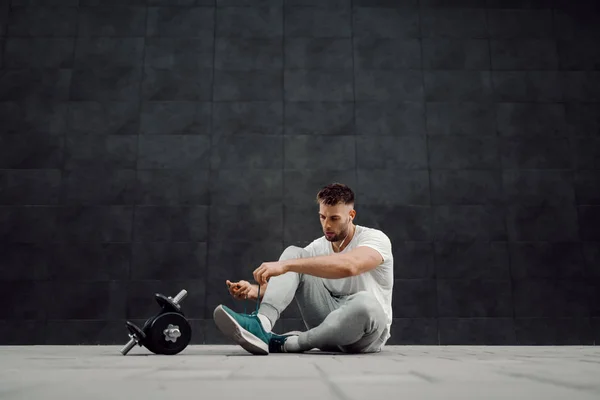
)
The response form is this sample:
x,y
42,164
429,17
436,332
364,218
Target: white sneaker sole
x,y
230,328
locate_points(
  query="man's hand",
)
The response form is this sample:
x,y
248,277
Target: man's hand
x,y
268,270
240,290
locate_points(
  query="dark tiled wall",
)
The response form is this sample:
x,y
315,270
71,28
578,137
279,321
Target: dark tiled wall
x,y
153,145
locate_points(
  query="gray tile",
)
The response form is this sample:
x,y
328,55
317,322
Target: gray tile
x,y
463,152
474,298
540,151
445,4
183,52
174,3
390,118
252,3
524,54
194,22
246,223
318,53
301,223
527,86
477,331
583,119
30,186
106,84
262,85
318,85
453,53
385,53
318,22
531,119
553,331
265,22
400,223
172,187
319,152
35,84
450,23
386,22
175,118
581,86
103,300
184,151
392,153
107,151
4,11
170,224
150,261
103,117
86,332
179,84
247,186
521,24
98,187
460,118
246,54
411,331
578,54
94,223
414,298
17,3
406,4
589,220
413,260
46,118
469,223
393,187
546,260
31,151
247,152
254,118
108,52
472,260
27,261
300,187
538,187
466,187
460,86
16,223
534,298
586,152
591,256
42,21
319,118
112,21
38,53
543,222
574,297
573,23
518,4
587,187
31,307
405,85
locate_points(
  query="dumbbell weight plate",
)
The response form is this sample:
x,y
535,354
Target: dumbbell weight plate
x,y
167,304
168,334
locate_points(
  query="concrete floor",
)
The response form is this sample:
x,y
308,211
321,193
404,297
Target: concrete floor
x,y
228,372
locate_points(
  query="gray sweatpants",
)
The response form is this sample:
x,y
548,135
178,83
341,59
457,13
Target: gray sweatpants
x,y
353,323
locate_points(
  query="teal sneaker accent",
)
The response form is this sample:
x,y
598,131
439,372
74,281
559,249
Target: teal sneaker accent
x,y
277,343
244,329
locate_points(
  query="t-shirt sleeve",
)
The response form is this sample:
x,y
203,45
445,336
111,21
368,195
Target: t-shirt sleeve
x,y
379,241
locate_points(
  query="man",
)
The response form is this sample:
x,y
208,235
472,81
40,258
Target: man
x,y
341,281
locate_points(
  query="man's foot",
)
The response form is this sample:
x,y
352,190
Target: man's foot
x,y
244,329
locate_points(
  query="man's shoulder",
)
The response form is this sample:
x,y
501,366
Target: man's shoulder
x,y
368,232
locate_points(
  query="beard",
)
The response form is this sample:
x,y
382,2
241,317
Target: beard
x,y
340,236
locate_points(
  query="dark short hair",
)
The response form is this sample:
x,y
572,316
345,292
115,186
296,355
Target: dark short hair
x,y
334,194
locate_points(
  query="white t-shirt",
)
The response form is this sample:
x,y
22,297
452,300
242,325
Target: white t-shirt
x,y
379,281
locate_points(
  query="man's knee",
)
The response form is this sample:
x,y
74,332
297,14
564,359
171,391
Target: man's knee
x,y
364,304
293,252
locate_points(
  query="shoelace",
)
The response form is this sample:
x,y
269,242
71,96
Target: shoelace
x,y
257,304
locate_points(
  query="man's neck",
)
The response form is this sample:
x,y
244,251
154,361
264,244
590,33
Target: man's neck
x,y
344,242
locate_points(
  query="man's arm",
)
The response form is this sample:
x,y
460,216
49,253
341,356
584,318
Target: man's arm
x,y
336,266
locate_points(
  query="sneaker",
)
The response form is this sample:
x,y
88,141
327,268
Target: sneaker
x,y
244,329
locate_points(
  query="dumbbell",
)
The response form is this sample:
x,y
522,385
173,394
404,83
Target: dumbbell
x,y
168,332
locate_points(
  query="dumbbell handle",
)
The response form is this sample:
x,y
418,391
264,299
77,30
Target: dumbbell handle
x,y
131,344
